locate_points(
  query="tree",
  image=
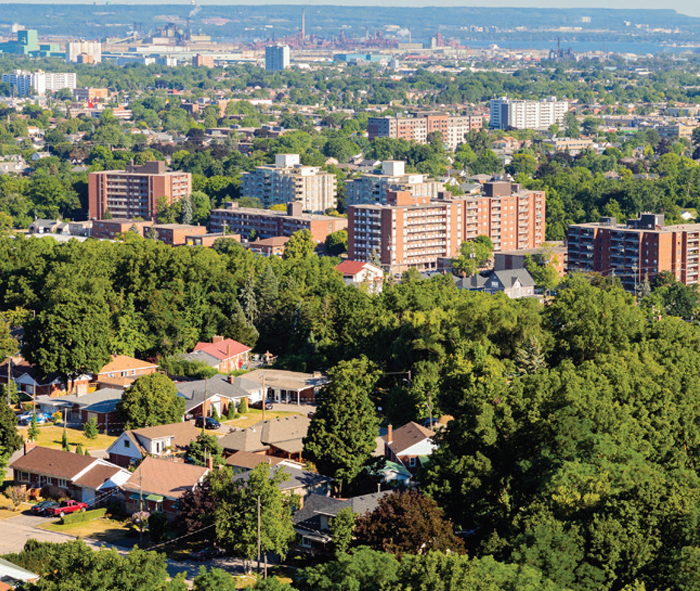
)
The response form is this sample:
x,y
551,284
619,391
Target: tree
x,y
213,580
543,269
8,344
33,431
10,439
337,242
301,246
342,433
65,446
90,428
196,508
342,528
474,255
572,128
243,405
248,300
187,211
204,447
407,523
151,400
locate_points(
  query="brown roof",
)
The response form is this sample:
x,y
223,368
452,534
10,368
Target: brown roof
x,y
96,476
285,433
125,363
246,459
182,433
407,436
164,477
53,462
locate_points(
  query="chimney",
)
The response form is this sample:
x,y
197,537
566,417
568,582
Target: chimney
x,y
210,463
217,339
390,434
228,350
231,379
28,446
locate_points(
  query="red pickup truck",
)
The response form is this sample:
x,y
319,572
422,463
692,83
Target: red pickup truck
x,y
66,507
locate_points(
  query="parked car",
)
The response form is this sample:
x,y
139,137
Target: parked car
x,y
207,423
41,418
206,553
435,423
259,404
43,507
66,507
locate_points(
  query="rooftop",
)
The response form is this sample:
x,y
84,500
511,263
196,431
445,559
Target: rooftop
x,y
164,477
407,436
53,462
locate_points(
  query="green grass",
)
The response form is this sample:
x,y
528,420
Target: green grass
x,y
254,416
101,529
52,435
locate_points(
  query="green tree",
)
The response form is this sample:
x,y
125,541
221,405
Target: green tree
x,y
342,433
90,428
474,255
342,528
65,446
204,447
187,211
33,431
572,127
213,580
337,242
543,269
301,246
151,400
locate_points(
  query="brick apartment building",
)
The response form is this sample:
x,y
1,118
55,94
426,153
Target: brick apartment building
x,y
288,181
372,187
203,61
109,229
641,247
417,126
267,224
133,193
415,231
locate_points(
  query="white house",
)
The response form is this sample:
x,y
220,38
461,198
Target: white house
x,y
159,441
362,275
409,446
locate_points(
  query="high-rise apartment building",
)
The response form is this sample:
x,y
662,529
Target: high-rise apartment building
x,y
642,247
83,52
414,231
134,192
519,114
267,224
203,61
372,188
417,126
276,57
289,181
41,82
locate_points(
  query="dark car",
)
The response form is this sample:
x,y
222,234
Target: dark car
x,y
206,553
43,507
207,423
259,404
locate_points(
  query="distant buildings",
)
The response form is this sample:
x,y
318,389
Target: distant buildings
x,y
640,248
414,231
519,114
203,61
134,192
372,188
417,127
90,94
268,224
276,57
27,44
39,82
288,182
83,52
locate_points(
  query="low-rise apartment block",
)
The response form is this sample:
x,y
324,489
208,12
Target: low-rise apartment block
x,y
134,192
572,146
110,229
642,247
372,188
288,182
267,224
417,126
675,132
415,231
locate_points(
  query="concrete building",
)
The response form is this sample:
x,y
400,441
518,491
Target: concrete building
x,y
83,52
417,126
109,229
203,61
508,260
519,114
134,192
90,94
642,247
572,146
288,181
268,224
675,132
372,188
41,82
276,57
415,231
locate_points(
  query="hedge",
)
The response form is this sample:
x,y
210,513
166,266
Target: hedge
x,y
80,517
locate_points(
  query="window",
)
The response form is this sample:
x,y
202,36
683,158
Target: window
x,y
412,462
127,443
61,482
23,476
306,542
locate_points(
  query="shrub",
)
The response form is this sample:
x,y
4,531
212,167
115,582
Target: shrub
x,y
83,516
16,494
157,524
215,414
231,411
57,417
243,406
140,518
79,449
65,446
90,429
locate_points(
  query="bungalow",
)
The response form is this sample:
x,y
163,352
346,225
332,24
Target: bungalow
x,y
288,387
299,482
515,283
158,485
100,404
244,461
362,274
202,397
282,438
160,441
231,354
409,445
123,366
60,473
30,381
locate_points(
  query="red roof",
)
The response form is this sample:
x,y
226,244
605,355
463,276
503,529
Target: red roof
x,y
223,349
351,267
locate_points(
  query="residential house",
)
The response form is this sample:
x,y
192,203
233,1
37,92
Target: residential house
x,y
515,283
62,473
281,437
288,387
409,445
362,275
158,485
123,366
29,380
299,482
269,246
244,461
516,259
202,397
231,354
100,404
167,441
312,521
13,576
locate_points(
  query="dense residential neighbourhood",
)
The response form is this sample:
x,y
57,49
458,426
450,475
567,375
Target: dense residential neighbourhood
x,y
390,299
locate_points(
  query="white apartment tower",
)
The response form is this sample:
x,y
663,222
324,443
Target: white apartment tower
x,y
40,81
277,57
520,114
84,52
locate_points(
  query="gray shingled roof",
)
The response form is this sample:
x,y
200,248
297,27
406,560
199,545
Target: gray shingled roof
x,y
297,478
308,518
196,392
102,400
202,356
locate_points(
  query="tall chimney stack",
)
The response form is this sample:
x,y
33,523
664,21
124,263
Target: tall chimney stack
x,y
390,434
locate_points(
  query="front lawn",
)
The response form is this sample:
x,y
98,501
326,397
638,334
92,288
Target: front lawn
x,y
52,435
101,529
254,416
